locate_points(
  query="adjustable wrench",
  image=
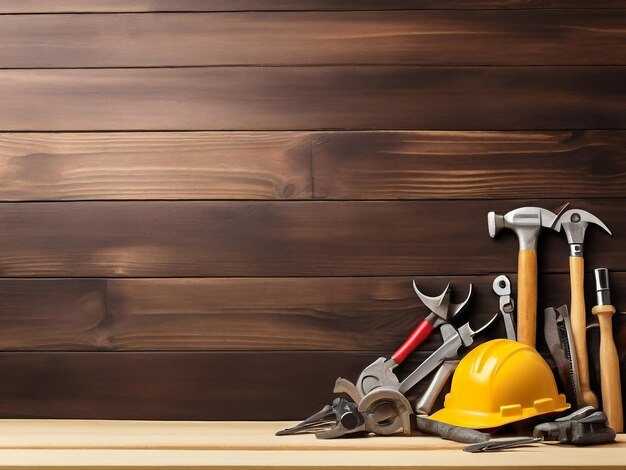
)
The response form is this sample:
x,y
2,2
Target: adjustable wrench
x,y
463,337
380,372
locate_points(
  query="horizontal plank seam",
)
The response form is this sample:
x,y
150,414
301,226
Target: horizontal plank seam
x,y
243,278
316,199
352,10
312,131
308,65
315,276
300,201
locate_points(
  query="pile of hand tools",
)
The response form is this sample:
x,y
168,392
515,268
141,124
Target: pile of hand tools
x,y
503,393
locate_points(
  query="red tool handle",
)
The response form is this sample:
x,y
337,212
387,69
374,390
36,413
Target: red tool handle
x,y
419,335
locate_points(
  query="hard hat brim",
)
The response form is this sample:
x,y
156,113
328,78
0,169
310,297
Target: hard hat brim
x,y
476,420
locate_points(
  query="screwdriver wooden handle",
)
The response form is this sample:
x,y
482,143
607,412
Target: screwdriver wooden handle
x,y
578,315
609,369
527,297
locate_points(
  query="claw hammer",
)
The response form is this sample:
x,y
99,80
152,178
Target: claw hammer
x,y
574,223
526,222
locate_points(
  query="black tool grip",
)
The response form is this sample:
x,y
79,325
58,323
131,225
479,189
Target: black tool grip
x,y
450,432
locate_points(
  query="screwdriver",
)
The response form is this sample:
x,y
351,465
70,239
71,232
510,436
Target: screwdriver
x,y
609,361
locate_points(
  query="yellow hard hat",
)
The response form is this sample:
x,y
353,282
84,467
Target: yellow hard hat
x,y
500,382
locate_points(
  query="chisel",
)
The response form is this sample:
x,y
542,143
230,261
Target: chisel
x,y
609,361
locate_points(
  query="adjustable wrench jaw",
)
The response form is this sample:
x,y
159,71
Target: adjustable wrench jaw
x,y
378,373
387,399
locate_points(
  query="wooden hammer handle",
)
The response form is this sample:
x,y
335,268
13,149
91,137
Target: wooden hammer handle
x,y
527,297
578,316
609,369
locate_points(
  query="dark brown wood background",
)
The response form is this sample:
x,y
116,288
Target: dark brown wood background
x,y
213,208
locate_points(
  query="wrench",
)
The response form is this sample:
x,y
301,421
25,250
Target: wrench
x,y
463,337
502,287
380,372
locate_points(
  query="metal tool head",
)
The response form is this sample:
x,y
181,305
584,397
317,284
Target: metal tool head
x,y
338,419
603,290
580,413
575,222
502,287
560,341
449,350
504,443
345,386
526,222
386,411
440,306
583,427
378,373
467,334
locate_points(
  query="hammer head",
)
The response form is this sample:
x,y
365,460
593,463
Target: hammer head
x,y
575,223
526,222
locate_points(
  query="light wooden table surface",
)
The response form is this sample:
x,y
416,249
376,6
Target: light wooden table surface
x,y
236,445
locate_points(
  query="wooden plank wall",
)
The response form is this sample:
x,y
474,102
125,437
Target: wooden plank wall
x,y
211,209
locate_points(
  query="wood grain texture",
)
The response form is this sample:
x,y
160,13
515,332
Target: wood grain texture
x,y
524,37
191,165
468,165
180,385
219,436
183,386
244,98
287,314
53,313
165,239
114,6
346,165
54,444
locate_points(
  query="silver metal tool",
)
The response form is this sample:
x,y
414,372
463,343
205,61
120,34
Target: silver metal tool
x,y
383,412
427,401
450,432
463,337
558,333
610,380
339,419
502,287
502,444
380,372
386,411
583,427
526,222
575,222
